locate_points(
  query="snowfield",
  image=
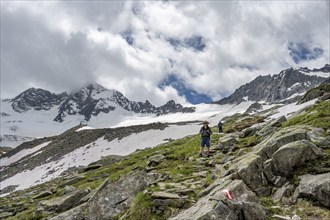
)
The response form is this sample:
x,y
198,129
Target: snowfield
x,y
96,150
93,152
43,124
25,152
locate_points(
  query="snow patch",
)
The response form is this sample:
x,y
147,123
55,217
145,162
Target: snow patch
x,y
85,128
291,108
94,151
9,160
245,98
293,86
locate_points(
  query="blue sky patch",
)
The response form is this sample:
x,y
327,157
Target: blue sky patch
x,y
301,52
191,95
195,42
127,35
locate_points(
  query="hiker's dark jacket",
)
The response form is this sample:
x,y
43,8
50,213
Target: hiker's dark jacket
x,y
205,132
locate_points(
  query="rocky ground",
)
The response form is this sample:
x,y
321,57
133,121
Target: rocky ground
x,y
273,169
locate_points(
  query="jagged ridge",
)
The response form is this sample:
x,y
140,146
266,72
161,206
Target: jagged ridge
x,y
278,87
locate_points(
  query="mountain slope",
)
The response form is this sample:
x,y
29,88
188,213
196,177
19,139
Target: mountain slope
x,y
36,112
271,168
285,85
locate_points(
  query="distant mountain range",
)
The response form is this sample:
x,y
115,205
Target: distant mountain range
x,y
285,86
88,101
38,113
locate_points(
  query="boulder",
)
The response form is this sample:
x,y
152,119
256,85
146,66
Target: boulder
x,y
250,170
293,155
314,187
285,191
319,137
310,95
43,194
156,159
111,198
215,205
249,132
65,202
284,136
226,142
270,128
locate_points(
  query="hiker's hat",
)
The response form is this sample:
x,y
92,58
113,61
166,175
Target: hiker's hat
x,y
205,122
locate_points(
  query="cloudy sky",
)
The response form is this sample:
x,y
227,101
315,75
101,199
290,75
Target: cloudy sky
x,y
157,50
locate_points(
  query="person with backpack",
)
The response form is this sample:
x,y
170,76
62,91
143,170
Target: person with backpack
x,y
220,127
205,132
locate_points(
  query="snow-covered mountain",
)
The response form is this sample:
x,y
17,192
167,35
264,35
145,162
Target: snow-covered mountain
x,y
286,85
88,101
37,112
46,158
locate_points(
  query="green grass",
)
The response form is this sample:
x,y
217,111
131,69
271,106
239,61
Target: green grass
x,y
249,141
317,116
177,162
141,207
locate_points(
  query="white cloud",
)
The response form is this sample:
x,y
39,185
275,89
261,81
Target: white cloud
x,y
60,45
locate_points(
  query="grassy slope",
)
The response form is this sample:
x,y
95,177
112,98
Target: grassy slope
x,y
178,166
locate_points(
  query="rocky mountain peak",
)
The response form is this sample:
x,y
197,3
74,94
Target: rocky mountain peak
x,y
279,87
94,98
37,99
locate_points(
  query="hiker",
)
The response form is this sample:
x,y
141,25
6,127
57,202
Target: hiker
x,y
220,127
205,132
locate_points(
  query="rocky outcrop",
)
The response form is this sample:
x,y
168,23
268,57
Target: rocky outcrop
x,y
111,199
271,126
288,157
275,88
322,92
63,203
215,205
314,187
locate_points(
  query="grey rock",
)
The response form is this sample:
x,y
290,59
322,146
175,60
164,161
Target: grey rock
x,y
43,194
65,202
69,189
156,159
315,187
164,195
202,174
226,142
294,155
73,179
215,205
284,136
177,203
255,107
250,170
111,199
92,167
319,137
310,95
285,191
270,128
227,159
250,131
